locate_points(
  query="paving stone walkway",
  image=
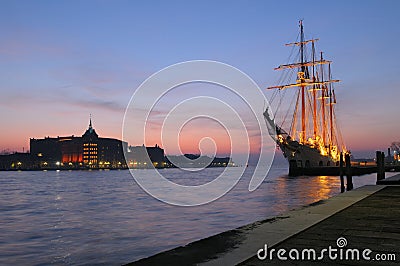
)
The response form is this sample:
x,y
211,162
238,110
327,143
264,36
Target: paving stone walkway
x,y
372,223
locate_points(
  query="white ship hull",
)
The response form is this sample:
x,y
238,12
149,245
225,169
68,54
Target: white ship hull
x,y
304,156
299,156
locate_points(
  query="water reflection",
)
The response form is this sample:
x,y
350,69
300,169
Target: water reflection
x,y
303,190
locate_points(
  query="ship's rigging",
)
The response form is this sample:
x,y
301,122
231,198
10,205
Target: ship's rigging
x,y
312,93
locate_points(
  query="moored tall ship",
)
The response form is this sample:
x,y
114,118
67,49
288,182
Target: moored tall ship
x,y
312,141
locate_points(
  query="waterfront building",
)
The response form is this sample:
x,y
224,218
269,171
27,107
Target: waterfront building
x,y
90,151
16,161
87,151
145,157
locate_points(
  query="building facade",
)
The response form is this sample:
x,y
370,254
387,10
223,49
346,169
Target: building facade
x,y
88,151
145,157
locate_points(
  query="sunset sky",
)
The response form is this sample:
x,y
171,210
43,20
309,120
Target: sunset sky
x,y
63,60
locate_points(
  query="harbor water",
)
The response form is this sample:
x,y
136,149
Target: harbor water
x,y
104,217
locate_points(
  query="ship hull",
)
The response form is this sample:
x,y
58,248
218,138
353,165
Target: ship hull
x,y
305,160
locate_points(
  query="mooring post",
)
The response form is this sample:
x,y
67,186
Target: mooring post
x,y
379,165
349,177
383,165
341,170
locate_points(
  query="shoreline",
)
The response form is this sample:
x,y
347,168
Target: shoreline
x,y
240,244
100,169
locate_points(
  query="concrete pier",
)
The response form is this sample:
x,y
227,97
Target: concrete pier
x,y
367,218
393,180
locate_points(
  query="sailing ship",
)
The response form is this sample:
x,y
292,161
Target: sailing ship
x,y
313,143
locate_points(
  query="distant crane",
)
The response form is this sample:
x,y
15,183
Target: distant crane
x,y
395,147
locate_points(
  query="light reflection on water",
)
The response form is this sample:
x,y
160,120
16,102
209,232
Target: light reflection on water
x,y
103,217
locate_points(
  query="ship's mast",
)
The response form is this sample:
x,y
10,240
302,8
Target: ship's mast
x,y
330,109
302,75
314,94
323,106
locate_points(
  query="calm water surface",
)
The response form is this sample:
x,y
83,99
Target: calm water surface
x,y
103,217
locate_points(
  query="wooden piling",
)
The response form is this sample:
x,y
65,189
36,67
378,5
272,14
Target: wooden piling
x,y
383,165
342,187
349,176
380,165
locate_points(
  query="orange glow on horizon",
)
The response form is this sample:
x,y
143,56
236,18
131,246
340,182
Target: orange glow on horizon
x,y
199,135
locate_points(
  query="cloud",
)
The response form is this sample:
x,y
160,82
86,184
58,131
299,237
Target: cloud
x,y
62,96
